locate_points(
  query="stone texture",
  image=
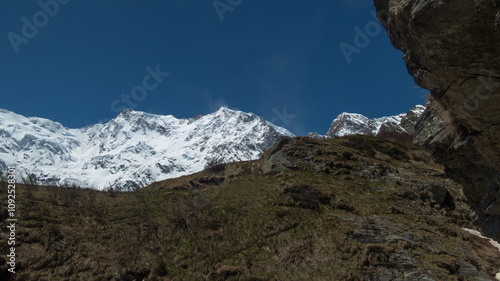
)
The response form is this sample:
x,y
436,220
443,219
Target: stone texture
x,y
470,272
452,48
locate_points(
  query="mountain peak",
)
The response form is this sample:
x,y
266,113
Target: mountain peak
x,y
230,112
126,111
354,123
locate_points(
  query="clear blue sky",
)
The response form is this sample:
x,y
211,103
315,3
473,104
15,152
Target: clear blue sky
x,y
76,63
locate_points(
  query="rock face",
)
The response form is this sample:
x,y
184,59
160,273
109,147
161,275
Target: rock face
x,y
452,48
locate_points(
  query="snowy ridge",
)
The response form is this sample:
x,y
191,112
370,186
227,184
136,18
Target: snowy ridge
x,y
352,124
132,150
347,124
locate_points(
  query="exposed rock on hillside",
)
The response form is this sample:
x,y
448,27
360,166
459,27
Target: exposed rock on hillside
x,y
381,166
452,48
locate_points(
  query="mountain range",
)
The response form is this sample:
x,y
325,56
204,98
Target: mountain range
x,y
136,148
132,150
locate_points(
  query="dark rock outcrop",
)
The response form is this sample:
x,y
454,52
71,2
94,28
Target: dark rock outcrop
x,y
452,48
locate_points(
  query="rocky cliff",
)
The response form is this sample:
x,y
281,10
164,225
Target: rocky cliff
x,y
452,48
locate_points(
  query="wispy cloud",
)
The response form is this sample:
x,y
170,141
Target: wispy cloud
x,y
213,103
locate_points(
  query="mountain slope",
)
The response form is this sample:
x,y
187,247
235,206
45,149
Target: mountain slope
x,y
348,208
132,150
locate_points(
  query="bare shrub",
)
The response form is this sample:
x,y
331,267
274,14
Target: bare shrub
x,y
3,177
308,197
298,252
187,213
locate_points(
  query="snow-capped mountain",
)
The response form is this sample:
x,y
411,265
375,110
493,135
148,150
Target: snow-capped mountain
x,y
352,123
132,150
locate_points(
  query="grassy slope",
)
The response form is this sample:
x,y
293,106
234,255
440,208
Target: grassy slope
x,y
240,224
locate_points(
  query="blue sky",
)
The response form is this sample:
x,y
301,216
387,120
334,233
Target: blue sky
x,y
80,62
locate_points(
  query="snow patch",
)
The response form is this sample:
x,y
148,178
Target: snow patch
x,y
492,242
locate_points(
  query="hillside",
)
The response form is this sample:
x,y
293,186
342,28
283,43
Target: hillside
x,y
350,208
